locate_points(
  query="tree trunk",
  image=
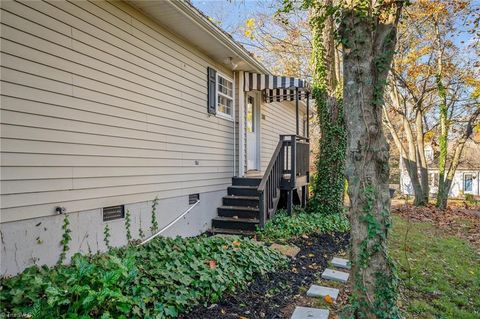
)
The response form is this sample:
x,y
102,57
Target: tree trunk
x,y
411,163
443,112
411,159
330,177
366,63
421,156
442,197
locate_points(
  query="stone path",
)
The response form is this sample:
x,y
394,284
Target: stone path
x,y
335,275
323,292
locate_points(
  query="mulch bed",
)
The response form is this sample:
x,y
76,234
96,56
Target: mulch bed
x,y
273,295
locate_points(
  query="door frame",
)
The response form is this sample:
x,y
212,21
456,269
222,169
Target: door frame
x,y
256,122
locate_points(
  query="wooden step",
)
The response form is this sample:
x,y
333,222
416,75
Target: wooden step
x,y
246,181
237,211
225,231
241,201
243,190
235,223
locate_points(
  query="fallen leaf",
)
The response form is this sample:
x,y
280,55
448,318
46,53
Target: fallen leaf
x,y
212,264
311,255
328,299
236,243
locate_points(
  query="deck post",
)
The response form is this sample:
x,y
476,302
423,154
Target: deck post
x,y
307,133
289,201
296,110
293,163
304,196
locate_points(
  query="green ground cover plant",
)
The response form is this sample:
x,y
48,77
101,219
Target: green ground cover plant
x,y
439,273
158,280
284,227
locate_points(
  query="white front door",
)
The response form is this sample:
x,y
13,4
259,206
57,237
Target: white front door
x,y
252,149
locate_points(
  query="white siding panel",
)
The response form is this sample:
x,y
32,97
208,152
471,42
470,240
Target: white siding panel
x,y
100,107
279,119
11,214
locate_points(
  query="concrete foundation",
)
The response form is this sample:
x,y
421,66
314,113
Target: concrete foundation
x,y
37,241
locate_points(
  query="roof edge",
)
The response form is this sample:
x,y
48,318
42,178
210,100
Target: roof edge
x,y
196,16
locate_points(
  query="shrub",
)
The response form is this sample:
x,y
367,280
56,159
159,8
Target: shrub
x,y
161,279
284,227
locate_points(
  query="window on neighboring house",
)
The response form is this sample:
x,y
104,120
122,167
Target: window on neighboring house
x,y
433,179
468,182
224,96
429,154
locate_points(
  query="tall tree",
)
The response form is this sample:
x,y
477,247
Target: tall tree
x,y
367,31
368,28
444,18
328,184
431,90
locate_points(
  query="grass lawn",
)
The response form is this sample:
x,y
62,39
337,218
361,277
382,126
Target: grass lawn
x,y
440,274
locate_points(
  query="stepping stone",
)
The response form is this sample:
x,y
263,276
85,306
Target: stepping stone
x,y
321,291
335,275
309,313
341,263
287,250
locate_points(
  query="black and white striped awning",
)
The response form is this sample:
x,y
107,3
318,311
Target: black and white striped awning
x,y
276,88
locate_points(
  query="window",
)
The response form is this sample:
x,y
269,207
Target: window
x,y
429,154
224,96
250,115
468,182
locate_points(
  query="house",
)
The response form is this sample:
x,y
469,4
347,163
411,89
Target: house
x,y
120,108
467,176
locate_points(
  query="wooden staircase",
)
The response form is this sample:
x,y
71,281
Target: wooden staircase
x,y
252,201
239,213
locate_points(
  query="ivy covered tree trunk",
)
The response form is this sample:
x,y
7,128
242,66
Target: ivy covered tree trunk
x,y
443,187
368,29
443,114
328,188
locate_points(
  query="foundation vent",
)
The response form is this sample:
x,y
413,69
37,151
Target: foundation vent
x,y
113,212
193,198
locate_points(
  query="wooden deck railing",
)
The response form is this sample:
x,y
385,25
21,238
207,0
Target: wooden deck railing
x,y
291,155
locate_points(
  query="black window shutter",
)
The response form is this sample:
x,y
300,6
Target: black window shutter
x,y
212,96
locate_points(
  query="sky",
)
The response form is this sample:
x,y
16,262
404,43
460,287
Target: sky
x,y
230,14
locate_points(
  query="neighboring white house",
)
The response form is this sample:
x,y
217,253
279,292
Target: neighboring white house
x,y
106,105
467,175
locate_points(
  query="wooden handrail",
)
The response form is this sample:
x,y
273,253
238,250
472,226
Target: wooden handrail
x,y
279,147
269,187
291,156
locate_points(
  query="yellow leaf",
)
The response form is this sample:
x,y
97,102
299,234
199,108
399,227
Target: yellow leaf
x,y
328,299
250,23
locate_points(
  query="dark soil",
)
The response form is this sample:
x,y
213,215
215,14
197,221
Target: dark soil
x,y
273,295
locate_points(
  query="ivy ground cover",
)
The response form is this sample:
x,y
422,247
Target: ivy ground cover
x,y
159,280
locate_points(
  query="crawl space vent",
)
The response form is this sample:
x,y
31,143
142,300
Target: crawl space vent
x,y
113,212
193,198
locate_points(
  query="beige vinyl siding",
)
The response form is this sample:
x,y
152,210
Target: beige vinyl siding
x,y
100,107
279,119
